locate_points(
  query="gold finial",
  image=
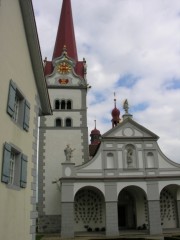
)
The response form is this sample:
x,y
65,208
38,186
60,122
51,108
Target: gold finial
x,y
65,50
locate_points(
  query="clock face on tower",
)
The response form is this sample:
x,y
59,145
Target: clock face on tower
x,y
63,68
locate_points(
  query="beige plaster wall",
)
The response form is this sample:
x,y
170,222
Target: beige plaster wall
x,y
15,206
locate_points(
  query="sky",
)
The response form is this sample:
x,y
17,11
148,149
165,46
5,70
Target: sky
x,y
132,48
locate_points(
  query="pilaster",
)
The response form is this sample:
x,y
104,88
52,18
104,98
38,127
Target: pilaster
x,y
154,208
67,222
67,211
111,209
178,213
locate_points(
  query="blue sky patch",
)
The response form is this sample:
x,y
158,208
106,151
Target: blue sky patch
x,y
106,120
98,98
128,81
172,84
139,107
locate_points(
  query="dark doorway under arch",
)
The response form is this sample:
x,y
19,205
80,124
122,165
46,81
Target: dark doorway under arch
x,y
132,209
126,211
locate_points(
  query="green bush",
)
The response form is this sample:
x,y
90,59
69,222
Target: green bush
x,y
38,237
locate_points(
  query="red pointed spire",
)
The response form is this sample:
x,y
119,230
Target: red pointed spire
x,y
66,38
65,34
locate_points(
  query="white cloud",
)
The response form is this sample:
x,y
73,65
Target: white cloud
x,y
118,37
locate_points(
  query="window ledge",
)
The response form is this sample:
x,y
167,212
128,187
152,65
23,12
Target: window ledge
x,y
13,187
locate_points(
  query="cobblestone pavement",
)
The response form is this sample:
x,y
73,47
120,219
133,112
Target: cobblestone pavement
x,y
101,237
56,237
75,238
126,235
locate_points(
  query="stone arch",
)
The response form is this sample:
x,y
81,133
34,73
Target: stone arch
x,y
132,208
169,206
89,210
167,184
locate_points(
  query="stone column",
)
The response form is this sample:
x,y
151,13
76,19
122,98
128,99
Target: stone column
x,y
154,208
67,210
111,209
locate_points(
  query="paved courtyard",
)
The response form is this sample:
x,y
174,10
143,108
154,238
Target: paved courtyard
x,y
123,235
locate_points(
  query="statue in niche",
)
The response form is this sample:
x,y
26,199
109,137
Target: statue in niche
x,y
130,158
68,153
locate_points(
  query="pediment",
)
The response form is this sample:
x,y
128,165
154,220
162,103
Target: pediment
x,y
61,80
63,74
129,129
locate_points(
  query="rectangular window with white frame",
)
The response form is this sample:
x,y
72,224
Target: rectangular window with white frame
x,y
18,107
14,167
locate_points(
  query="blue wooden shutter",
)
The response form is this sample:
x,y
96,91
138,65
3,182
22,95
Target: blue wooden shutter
x,y
11,98
26,115
23,177
6,163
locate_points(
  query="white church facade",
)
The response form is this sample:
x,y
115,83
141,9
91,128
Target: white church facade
x,y
128,184
121,181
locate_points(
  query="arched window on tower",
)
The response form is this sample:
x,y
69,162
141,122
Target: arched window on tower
x,y
68,122
58,122
69,104
57,104
63,103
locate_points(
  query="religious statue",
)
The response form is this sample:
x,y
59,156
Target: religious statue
x,y
130,157
126,106
68,153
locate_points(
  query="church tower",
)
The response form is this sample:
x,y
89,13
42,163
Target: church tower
x,y
67,85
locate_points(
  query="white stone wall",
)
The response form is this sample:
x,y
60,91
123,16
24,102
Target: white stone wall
x,y
74,95
75,116
164,164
